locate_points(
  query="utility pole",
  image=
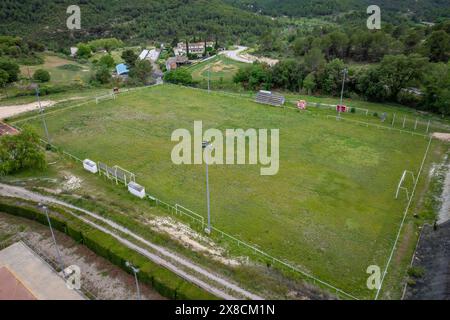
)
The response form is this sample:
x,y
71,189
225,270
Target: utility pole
x,y
206,145
58,254
342,91
135,272
41,111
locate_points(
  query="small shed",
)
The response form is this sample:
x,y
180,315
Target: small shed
x,y
90,166
144,54
136,189
122,69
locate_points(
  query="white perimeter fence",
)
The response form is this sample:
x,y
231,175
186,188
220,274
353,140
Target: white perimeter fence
x,y
178,209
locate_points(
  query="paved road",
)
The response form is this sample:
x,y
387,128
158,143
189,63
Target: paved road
x,y
236,54
216,285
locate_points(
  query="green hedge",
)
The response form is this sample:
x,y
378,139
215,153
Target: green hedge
x,y
162,280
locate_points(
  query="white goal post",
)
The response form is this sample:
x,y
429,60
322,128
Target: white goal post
x,y
401,184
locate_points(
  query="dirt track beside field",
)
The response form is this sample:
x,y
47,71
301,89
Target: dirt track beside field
x,y
433,255
14,110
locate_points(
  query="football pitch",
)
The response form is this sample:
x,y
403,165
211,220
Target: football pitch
x,y
330,210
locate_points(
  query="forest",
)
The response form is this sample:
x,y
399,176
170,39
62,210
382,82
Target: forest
x,y
405,62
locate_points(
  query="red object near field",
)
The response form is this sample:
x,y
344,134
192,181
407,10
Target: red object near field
x,y
342,108
301,105
6,129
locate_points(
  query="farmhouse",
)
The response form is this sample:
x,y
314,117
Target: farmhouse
x,y
197,48
175,62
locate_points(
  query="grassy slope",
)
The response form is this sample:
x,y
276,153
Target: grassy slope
x,y
330,209
59,75
221,68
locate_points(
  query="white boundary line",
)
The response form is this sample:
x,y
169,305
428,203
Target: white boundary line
x,y
404,218
251,247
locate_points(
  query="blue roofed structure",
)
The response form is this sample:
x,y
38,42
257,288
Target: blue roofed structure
x,y
122,69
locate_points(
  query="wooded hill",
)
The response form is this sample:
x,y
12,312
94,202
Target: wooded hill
x,y
133,21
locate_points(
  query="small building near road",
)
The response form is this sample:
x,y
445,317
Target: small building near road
x,y
197,48
122,70
174,62
144,54
24,275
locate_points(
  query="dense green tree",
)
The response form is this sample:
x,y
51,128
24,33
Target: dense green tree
x,y
314,59
437,46
254,77
288,74
4,78
330,78
269,42
103,75
107,61
179,76
41,75
84,51
370,86
309,83
398,72
437,88
11,68
141,72
130,57
21,152
107,44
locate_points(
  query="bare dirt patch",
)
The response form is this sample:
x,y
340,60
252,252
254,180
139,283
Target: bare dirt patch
x,y
442,136
191,239
13,110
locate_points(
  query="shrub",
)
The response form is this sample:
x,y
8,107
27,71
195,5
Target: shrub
x,y
11,68
178,76
70,67
416,272
107,61
21,152
103,75
41,75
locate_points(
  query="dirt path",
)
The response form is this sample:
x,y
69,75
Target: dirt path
x,y
433,256
100,279
444,213
13,110
216,285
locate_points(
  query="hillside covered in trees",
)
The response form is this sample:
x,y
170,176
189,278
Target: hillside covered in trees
x,y
133,21
415,9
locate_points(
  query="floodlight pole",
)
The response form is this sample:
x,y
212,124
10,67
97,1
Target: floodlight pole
x,y
41,111
58,254
135,272
342,91
205,145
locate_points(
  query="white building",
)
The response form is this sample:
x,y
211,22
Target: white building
x,y
197,48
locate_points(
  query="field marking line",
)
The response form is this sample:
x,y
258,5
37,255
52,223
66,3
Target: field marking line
x,y
177,210
249,246
404,218
89,100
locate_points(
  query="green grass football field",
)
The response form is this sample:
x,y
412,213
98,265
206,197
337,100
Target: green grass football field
x,y
330,210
